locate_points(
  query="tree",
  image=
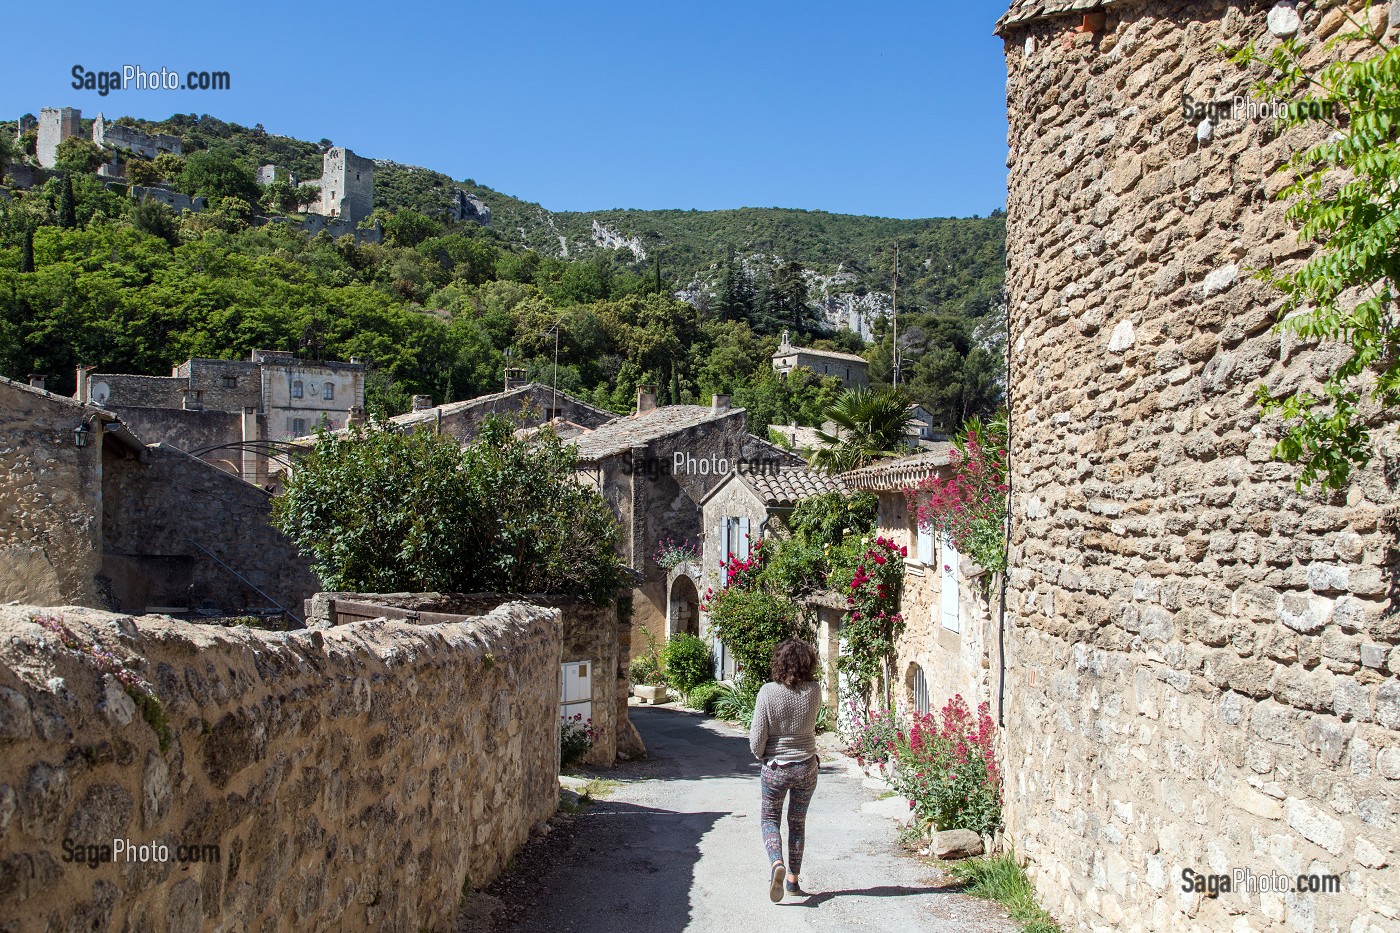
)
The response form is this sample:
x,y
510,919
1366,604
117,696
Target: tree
x,y
381,510
869,424
9,152
1345,200
216,174
168,165
77,156
67,206
409,228
152,217
141,172
790,295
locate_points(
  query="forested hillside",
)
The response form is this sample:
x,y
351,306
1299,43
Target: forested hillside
x,y
87,276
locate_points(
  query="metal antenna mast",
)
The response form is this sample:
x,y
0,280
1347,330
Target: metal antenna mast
x,y
894,350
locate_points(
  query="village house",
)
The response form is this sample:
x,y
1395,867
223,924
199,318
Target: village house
x,y
232,412
947,647
94,517
653,468
529,406
739,510
852,370
1202,660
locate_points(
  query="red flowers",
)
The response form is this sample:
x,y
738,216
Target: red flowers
x,y
969,506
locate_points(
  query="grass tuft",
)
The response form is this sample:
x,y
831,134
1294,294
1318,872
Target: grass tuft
x,y
1001,879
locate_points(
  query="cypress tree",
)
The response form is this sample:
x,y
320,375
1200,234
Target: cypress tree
x,y
67,205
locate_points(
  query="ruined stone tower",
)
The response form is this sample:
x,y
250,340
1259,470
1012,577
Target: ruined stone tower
x,y
347,185
54,127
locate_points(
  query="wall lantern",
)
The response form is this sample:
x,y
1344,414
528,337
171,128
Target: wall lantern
x,y
81,434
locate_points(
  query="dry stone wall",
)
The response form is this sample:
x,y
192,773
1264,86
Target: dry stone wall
x,y
1202,659
355,778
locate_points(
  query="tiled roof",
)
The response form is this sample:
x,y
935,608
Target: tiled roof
x,y
827,354
787,487
637,430
497,401
1024,11
901,473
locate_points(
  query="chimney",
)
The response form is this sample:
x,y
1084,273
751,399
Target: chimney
x,y
646,399
36,380
719,403
82,394
422,402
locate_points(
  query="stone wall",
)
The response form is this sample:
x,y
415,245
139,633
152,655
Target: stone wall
x,y
50,499
188,430
155,508
589,633
1202,664
359,778
529,405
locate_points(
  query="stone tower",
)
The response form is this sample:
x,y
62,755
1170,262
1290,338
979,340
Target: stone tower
x,y
56,125
1201,660
347,185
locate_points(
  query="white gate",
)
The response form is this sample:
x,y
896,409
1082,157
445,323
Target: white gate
x,y
576,690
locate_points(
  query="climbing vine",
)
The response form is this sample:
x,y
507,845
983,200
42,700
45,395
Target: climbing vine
x,y
873,622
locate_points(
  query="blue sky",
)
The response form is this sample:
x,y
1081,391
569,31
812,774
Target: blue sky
x,y
895,109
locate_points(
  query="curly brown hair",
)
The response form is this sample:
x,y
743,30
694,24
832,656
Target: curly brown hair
x,y
794,662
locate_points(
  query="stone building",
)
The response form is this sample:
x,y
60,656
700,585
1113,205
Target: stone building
x,y
739,510
1201,669
227,410
56,125
529,405
948,644
852,370
94,517
347,186
134,141
653,468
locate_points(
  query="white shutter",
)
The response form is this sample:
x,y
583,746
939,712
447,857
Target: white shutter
x,y
948,587
724,545
743,539
924,550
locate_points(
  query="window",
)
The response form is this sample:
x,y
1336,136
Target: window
x,y
918,690
329,393
297,388
948,588
230,382
575,690
297,426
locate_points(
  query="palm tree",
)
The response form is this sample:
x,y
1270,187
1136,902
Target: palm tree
x,y
868,425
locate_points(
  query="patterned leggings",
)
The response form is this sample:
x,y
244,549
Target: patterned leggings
x,y
800,780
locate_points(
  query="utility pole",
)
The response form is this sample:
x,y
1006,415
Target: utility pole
x,y
894,349
658,271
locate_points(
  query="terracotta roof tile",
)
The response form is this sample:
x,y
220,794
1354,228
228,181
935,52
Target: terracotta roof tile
x,y
901,473
787,487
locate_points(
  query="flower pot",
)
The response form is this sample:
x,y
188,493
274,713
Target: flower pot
x,y
650,694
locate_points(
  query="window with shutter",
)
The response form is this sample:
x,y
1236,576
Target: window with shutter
x,y
743,539
948,587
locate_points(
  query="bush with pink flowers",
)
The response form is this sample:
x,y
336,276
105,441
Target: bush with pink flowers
x,y
947,768
969,505
871,584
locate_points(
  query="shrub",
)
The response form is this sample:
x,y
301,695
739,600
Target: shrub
x,y
705,697
647,668
970,505
870,734
687,662
576,737
872,624
947,768
736,703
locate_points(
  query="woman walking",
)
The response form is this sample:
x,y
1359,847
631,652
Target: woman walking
x,y
784,738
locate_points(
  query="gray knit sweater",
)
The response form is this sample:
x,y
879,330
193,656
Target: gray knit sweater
x,y
785,723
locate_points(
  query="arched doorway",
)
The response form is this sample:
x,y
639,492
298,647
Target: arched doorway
x,y
682,606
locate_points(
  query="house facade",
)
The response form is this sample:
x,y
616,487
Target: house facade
x,y
654,468
738,511
94,517
1202,671
948,645
224,409
852,370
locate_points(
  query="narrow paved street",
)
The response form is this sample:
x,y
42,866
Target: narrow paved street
x,y
676,848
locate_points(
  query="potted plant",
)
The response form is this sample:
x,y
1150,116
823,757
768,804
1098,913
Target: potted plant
x,y
649,673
